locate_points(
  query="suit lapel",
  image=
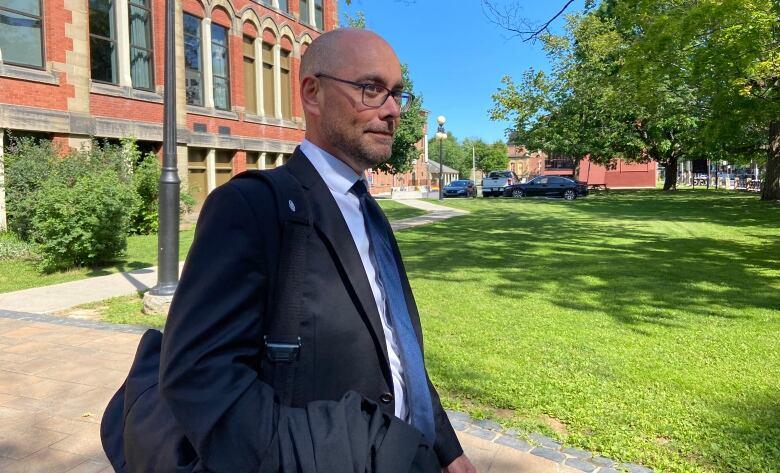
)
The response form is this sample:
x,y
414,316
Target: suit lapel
x,y
330,223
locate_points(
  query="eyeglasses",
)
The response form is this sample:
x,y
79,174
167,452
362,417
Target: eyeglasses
x,y
374,95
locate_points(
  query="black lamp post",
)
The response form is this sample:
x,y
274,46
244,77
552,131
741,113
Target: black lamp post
x,y
168,235
441,135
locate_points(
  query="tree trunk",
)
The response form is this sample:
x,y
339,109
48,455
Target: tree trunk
x,y
770,190
670,174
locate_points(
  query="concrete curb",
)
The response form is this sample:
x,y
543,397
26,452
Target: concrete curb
x,y
540,445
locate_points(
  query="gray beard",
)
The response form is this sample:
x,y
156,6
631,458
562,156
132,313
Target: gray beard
x,y
363,157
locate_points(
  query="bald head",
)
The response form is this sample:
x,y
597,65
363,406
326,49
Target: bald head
x,y
343,117
331,51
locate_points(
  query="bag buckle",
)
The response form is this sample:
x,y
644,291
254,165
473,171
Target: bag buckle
x,y
279,352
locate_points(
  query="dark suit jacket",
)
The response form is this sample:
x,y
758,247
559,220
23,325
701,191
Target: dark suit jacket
x,y
213,337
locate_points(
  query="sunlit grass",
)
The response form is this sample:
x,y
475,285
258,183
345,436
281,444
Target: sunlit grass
x,y
397,211
644,323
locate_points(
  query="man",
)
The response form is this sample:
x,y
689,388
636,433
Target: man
x,y
359,311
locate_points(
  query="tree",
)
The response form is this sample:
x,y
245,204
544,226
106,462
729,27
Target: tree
x,y
728,51
454,153
487,157
660,80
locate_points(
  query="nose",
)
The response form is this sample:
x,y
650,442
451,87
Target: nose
x,y
390,109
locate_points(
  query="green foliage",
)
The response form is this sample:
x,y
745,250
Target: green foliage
x,y
146,181
28,164
488,157
358,21
662,80
455,155
84,223
14,248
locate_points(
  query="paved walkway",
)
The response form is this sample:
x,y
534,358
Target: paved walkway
x,y
58,374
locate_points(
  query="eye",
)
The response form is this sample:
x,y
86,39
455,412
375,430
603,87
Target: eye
x,y
373,89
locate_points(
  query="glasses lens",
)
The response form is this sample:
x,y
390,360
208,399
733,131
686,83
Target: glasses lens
x,y
404,100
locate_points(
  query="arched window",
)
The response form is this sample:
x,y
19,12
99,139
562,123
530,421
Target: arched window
x,y
193,60
220,66
250,75
268,78
318,15
103,41
21,34
141,62
286,83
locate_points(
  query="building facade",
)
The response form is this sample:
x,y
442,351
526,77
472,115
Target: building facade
x,y
73,70
617,175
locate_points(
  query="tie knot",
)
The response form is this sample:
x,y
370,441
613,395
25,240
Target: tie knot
x,y
359,189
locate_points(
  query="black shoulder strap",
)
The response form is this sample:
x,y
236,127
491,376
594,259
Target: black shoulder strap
x,y
282,342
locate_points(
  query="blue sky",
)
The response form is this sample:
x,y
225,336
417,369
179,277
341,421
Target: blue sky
x,y
456,56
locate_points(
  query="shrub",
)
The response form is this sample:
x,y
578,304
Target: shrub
x,y
146,182
83,224
28,163
12,247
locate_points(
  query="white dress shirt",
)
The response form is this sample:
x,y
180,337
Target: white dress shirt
x,y
340,178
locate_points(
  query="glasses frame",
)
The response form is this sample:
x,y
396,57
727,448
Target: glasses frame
x,y
396,94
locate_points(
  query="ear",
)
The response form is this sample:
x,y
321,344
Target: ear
x,y
310,95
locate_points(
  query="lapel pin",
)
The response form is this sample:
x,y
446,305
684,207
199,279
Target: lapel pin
x,y
291,204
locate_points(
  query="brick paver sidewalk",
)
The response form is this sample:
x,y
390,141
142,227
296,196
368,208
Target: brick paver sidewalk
x,y
57,375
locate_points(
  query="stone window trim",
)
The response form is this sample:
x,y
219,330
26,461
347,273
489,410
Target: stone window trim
x,y
212,112
273,121
102,88
42,19
29,73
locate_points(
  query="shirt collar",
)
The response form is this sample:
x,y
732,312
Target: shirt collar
x,y
337,175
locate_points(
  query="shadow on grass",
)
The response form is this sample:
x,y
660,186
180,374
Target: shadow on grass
x,y
653,263
600,255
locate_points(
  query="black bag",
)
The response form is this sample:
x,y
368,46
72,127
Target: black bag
x,y
137,404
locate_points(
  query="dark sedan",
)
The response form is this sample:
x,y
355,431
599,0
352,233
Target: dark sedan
x,y
548,186
461,188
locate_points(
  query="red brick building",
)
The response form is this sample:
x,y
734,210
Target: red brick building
x,y
617,175
418,179
71,70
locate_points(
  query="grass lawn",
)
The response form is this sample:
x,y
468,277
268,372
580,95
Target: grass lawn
x,y
637,325
397,211
141,253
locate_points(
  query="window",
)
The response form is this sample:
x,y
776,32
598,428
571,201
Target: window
x,y
21,32
193,67
284,5
219,66
141,64
268,79
196,174
318,13
250,76
304,6
223,166
102,41
286,84
559,163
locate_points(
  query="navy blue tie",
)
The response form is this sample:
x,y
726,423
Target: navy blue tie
x,y
417,391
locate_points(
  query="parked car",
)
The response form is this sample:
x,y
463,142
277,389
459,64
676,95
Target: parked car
x,y
549,186
460,188
496,182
